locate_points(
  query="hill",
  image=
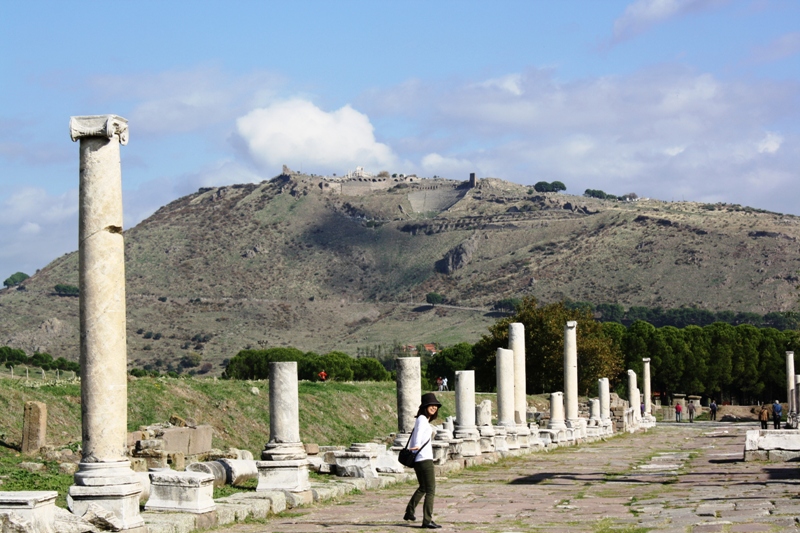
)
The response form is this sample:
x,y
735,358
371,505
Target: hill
x,y
325,264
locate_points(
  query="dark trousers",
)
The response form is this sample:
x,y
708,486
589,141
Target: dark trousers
x,y
776,421
427,487
713,415
764,424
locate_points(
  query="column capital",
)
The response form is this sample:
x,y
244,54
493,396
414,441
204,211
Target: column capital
x,y
646,360
99,126
571,324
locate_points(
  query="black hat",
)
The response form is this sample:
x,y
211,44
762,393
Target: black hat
x,y
429,399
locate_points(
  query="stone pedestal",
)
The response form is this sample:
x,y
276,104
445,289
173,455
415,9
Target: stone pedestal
x,y
104,476
465,428
571,373
34,427
181,492
500,442
409,392
284,465
291,476
357,461
36,507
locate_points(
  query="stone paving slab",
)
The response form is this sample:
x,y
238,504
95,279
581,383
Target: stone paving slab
x,y
603,486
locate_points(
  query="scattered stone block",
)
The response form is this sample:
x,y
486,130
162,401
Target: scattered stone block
x,y
188,492
31,467
34,427
32,511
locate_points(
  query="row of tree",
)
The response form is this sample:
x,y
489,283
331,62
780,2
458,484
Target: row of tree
x,y
737,363
597,193
543,186
14,356
254,364
685,316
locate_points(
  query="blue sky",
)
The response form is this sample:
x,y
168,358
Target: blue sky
x,y
671,99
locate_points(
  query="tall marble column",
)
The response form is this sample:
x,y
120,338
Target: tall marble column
x,y
648,407
556,411
283,464
505,388
790,381
409,391
571,372
516,343
104,475
604,392
465,427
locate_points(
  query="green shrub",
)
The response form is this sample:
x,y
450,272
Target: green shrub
x,y
15,279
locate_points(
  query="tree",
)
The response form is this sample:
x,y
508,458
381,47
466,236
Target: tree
x,y
542,186
337,365
66,290
15,279
558,186
369,369
447,361
434,298
508,304
544,348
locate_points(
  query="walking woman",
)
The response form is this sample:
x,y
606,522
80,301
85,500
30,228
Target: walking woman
x,y
423,467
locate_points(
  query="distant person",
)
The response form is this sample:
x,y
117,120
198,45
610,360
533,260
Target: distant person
x,y
439,382
323,376
444,383
713,408
641,408
678,411
777,411
691,409
763,416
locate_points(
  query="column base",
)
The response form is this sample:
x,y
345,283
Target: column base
x,y
37,507
120,501
284,451
290,476
181,492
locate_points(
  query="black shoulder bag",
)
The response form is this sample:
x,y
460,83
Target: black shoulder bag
x,y
409,457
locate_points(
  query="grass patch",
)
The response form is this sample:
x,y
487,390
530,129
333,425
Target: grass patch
x,y
607,526
14,478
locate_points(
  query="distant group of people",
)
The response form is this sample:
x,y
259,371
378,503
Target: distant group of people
x,y
441,383
691,410
764,415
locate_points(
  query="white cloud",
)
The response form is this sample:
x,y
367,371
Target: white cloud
x,y
770,144
787,45
435,164
299,134
642,15
187,100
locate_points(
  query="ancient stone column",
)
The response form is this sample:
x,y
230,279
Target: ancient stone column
x,y
465,400
104,476
505,388
556,411
284,414
594,410
571,372
283,465
465,427
790,381
647,393
633,397
516,343
409,392
605,398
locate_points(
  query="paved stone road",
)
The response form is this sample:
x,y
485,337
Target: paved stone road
x,y
677,477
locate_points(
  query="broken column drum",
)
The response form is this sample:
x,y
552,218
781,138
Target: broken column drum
x,y
505,387
571,371
648,407
604,393
556,411
409,392
104,476
790,382
516,343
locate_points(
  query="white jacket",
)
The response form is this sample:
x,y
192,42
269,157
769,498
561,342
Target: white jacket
x,y
422,433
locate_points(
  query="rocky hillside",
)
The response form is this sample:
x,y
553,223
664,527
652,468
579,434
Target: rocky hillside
x,y
321,265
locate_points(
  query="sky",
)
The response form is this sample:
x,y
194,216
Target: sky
x,y
671,99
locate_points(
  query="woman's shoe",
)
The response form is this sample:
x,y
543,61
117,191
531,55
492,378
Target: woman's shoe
x,y
431,525
409,516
